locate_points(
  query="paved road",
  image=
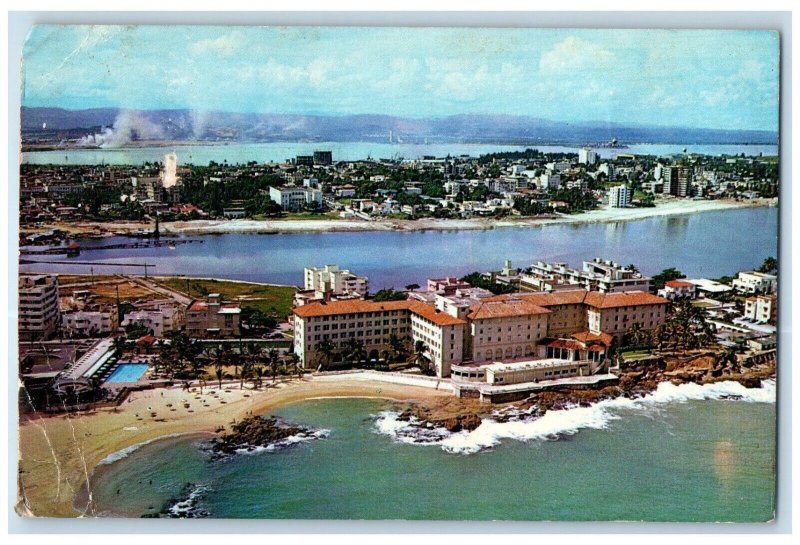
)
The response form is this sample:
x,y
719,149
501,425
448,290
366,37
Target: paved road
x,y
178,296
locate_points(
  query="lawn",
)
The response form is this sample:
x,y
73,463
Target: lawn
x,y
634,355
268,299
309,216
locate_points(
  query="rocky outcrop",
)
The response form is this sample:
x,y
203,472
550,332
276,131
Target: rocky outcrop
x,y
453,424
254,432
637,379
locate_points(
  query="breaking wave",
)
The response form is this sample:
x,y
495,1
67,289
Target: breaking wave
x,y
285,443
127,451
189,507
527,426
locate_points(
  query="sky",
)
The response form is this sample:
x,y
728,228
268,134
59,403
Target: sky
x,y
689,78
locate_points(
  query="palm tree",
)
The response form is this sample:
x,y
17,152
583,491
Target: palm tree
x,y
397,344
258,376
420,357
221,356
273,359
354,349
295,362
327,350
219,373
247,372
120,344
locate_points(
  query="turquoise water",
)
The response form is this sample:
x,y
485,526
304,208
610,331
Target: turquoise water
x,y
350,151
681,460
128,372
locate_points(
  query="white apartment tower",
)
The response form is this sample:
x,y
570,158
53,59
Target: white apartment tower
x,y
587,156
39,314
335,281
619,196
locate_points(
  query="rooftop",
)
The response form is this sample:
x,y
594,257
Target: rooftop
x,y
678,284
594,299
505,308
434,315
335,308
532,364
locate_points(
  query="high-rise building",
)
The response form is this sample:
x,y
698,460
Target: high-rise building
x,y
619,196
587,156
677,181
304,160
323,158
39,314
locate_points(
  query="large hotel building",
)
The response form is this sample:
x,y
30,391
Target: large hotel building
x,y
505,328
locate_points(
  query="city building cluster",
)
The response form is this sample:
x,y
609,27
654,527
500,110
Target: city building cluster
x,y
526,183
494,335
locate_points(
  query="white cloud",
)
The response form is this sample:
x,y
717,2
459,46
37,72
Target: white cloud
x,y
573,54
226,45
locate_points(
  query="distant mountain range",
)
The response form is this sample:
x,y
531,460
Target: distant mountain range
x,y
115,126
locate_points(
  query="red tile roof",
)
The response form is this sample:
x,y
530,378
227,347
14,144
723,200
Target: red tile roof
x,y
334,308
436,316
624,299
678,284
592,298
588,337
566,343
504,309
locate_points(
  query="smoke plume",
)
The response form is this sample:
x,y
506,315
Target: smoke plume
x,y
128,127
169,176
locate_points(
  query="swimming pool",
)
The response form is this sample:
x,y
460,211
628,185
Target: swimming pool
x,y
128,372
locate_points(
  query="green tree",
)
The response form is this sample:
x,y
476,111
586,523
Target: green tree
x,y
665,276
389,295
421,358
770,266
327,351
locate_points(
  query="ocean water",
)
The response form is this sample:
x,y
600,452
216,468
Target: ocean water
x,y
707,244
687,453
350,151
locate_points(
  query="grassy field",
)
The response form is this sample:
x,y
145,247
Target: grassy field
x,y
634,355
268,299
306,216
105,288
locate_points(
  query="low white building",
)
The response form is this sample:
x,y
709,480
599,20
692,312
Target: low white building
x,y
755,282
295,198
678,289
88,323
762,309
707,287
331,279
160,320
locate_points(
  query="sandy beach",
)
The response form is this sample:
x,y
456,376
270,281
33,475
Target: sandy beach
x,y
58,453
669,207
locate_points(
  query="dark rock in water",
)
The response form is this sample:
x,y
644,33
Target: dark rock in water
x,y
254,432
453,424
749,381
466,422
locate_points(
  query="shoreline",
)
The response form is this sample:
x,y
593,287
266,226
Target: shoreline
x,y
65,452
59,453
289,226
